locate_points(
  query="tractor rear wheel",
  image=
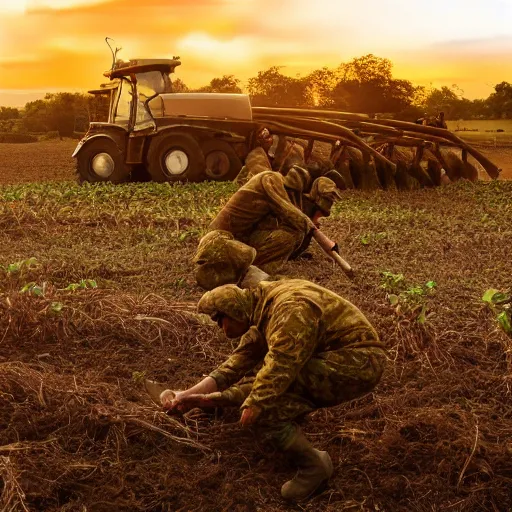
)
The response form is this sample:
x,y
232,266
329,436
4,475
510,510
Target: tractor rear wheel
x,y
101,160
175,157
222,162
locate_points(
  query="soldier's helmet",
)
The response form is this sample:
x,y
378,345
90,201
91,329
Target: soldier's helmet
x,y
228,300
298,179
220,259
324,193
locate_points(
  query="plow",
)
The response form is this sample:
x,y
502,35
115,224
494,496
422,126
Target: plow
x,y
379,153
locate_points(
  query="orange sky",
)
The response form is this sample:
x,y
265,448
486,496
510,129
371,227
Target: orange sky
x,y
49,45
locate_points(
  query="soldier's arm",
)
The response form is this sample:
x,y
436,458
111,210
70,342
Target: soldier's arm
x,y
281,205
292,335
247,355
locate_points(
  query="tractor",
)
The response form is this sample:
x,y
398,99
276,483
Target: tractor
x,y
154,134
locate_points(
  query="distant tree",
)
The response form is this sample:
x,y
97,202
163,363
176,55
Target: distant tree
x,y
271,88
367,85
7,113
35,116
320,86
179,86
499,103
444,100
480,109
226,84
63,112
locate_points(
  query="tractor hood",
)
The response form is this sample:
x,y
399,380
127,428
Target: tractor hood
x,y
208,104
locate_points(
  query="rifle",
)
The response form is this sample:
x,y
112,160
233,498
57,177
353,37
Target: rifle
x,y
329,247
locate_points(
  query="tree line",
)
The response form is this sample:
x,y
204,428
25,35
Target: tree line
x,y
365,84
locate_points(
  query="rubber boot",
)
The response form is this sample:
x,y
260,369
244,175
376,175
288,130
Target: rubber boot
x,y
315,468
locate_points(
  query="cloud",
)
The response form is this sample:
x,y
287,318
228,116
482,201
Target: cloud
x,y
41,41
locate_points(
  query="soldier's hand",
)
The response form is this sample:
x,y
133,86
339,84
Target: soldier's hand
x,y
185,403
249,415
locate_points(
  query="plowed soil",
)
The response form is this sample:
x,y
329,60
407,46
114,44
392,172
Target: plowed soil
x,y
97,291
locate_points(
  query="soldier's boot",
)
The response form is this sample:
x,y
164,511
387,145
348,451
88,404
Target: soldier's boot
x,y
315,468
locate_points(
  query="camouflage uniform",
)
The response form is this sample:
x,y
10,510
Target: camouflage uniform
x,y
297,182
220,259
322,195
255,162
261,215
306,348
287,154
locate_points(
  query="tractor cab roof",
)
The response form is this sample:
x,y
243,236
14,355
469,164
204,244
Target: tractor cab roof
x,y
105,88
122,68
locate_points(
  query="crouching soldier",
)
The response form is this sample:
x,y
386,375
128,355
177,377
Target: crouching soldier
x,y
220,259
262,215
302,347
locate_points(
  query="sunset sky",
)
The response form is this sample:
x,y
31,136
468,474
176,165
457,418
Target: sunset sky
x,y
52,45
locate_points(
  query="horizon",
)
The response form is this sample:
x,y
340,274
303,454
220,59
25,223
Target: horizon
x,y
59,46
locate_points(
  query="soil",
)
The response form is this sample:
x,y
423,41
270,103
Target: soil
x,y
78,433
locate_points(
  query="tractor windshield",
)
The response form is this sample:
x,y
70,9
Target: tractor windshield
x,y
149,85
123,103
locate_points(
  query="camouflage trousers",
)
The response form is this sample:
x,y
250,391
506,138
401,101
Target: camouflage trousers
x,y
327,379
274,247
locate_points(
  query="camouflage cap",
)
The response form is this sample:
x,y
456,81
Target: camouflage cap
x,y
297,179
220,259
323,193
228,300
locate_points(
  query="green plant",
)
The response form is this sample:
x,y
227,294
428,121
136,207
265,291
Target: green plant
x,y
82,285
138,377
405,297
34,289
19,266
369,238
55,307
501,305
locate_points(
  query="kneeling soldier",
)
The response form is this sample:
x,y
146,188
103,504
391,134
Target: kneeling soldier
x,y
302,347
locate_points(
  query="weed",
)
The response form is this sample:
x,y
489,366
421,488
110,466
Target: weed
x,y
407,298
82,285
501,305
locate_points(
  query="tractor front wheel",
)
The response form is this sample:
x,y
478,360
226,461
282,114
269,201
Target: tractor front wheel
x,y
100,160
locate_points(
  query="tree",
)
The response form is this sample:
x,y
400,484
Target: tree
x,y
63,112
442,100
320,86
35,116
226,84
179,86
500,101
271,88
7,113
367,85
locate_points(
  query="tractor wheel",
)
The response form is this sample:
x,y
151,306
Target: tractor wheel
x,y
175,157
222,163
101,160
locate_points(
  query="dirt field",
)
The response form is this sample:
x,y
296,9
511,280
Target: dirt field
x,y
77,433
51,160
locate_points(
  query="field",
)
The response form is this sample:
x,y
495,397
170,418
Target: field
x,y
97,290
484,133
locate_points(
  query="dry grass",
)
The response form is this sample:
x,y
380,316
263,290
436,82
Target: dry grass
x,y
78,433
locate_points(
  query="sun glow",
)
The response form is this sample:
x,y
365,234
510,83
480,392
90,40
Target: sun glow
x,y
12,6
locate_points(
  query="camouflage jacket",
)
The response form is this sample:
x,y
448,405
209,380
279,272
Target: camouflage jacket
x,y
262,199
291,321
